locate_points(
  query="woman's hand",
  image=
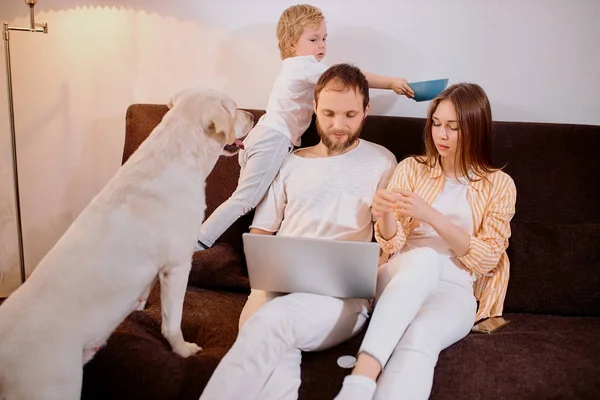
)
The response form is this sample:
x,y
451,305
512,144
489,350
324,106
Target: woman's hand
x,y
400,86
412,205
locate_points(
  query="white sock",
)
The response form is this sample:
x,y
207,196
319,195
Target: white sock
x,y
357,387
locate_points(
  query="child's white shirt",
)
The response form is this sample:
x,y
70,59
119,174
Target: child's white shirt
x,y
290,105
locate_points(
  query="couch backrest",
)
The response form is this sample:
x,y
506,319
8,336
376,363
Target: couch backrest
x,y
555,244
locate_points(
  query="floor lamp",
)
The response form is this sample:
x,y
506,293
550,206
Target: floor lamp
x,y
33,27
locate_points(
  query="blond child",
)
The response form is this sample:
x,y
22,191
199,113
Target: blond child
x,y
302,36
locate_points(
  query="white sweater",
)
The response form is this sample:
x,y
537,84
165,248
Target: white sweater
x,y
326,198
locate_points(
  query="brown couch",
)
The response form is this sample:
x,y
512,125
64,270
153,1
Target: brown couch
x,y
550,350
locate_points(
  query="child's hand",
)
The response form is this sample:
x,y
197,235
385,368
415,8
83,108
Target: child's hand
x,y
400,86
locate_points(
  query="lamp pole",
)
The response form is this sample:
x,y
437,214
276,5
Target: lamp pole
x,y
33,27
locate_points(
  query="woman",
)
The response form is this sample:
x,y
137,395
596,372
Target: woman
x,y
445,218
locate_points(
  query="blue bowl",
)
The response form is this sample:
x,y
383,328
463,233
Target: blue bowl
x,y
428,90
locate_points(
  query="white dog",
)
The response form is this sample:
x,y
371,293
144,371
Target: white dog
x,y
144,223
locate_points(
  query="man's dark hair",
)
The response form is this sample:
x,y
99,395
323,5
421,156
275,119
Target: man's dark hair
x,y
343,77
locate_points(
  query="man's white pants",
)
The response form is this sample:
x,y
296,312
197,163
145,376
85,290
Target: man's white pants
x,y
264,362
425,304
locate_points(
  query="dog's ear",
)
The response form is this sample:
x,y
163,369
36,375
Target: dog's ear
x,y
222,124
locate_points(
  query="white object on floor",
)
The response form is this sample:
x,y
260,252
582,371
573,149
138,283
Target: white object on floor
x,y
346,361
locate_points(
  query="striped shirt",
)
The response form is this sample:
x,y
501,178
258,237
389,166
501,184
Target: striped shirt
x,y
492,203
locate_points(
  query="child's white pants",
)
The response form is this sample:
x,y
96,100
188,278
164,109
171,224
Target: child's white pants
x,y
260,162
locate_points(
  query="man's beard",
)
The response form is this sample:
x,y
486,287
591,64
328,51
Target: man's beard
x,y
338,146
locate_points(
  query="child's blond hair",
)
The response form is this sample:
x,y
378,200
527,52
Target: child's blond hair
x,y
292,23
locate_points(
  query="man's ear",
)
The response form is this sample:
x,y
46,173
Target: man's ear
x,y
315,106
367,108
222,124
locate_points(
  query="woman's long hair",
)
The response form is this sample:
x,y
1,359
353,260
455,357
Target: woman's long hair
x,y
473,158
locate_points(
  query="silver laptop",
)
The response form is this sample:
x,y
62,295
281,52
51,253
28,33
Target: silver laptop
x,y
290,264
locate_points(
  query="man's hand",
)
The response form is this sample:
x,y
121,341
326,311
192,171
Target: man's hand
x,y
260,231
384,202
412,205
400,86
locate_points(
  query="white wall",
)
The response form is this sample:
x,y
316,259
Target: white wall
x,y
538,61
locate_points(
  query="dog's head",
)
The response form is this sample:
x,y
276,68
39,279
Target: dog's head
x,y
217,114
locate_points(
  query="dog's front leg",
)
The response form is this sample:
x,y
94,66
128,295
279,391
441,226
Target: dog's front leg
x,y
173,283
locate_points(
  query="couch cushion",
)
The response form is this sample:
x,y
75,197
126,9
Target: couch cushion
x,y
555,168
534,357
554,269
137,362
220,267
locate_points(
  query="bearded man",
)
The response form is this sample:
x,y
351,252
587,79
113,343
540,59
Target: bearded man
x,y
325,192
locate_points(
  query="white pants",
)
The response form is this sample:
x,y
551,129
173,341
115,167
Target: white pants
x,y
265,150
425,304
264,362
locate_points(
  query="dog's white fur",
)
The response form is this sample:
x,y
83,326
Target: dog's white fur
x,y
143,224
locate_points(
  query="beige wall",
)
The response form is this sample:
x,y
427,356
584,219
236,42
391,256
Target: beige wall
x,y
538,61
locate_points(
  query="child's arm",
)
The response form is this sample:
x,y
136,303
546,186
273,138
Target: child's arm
x,y
398,85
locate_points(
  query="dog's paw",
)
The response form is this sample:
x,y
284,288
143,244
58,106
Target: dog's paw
x,y
187,349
